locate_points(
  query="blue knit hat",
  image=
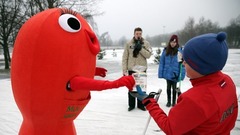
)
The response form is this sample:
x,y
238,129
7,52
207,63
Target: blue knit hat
x,y
206,53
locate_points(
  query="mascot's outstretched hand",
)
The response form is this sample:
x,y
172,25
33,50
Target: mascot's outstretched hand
x,y
127,81
83,83
100,71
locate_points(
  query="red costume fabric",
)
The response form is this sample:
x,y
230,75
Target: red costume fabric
x,y
51,48
82,83
209,107
100,72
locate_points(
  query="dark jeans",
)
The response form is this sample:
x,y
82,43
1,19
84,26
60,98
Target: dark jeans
x,y
171,85
132,100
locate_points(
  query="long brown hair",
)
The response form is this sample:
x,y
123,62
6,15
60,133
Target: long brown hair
x,y
172,51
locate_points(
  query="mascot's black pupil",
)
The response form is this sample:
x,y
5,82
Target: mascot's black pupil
x,y
73,23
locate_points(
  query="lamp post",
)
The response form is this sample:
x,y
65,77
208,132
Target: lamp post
x,y
164,30
164,43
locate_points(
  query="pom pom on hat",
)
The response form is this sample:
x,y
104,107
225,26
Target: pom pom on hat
x,y
221,36
206,53
174,38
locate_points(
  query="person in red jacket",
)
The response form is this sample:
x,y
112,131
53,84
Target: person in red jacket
x,y
210,106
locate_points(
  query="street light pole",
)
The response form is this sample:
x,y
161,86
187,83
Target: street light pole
x,y
164,43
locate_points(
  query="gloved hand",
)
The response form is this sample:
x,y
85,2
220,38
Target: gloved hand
x,y
142,95
127,81
137,47
100,72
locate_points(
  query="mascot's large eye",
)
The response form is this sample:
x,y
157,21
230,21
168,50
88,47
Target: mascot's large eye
x,y
69,23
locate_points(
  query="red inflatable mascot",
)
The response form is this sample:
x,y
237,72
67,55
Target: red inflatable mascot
x,y
53,68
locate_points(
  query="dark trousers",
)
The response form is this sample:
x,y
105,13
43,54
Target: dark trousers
x,y
171,85
131,99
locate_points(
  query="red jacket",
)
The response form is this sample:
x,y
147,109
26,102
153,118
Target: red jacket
x,y
209,107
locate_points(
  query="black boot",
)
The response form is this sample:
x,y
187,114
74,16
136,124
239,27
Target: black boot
x,y
131,102
173,104
169,101
168,97
179,93
168,104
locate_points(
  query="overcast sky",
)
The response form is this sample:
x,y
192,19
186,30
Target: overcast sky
x,y
160,16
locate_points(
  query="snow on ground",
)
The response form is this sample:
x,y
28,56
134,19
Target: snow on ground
x,y
106,113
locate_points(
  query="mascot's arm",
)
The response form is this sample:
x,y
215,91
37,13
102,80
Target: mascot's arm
x,y
83,83
100,72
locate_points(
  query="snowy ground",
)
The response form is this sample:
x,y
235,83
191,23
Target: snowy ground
x,y
106,113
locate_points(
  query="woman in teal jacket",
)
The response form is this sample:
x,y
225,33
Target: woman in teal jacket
x,y
169,68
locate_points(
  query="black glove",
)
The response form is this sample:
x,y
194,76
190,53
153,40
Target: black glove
x,y
137,47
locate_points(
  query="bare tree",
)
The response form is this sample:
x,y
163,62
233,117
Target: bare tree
x,y
188,30
35,6
10,21
122,41
233,31
105,39
84,7
14,12
87,8
191,29
206,26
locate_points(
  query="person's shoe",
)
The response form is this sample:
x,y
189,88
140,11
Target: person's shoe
x,y
130,108
142,108
173,104
168,104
